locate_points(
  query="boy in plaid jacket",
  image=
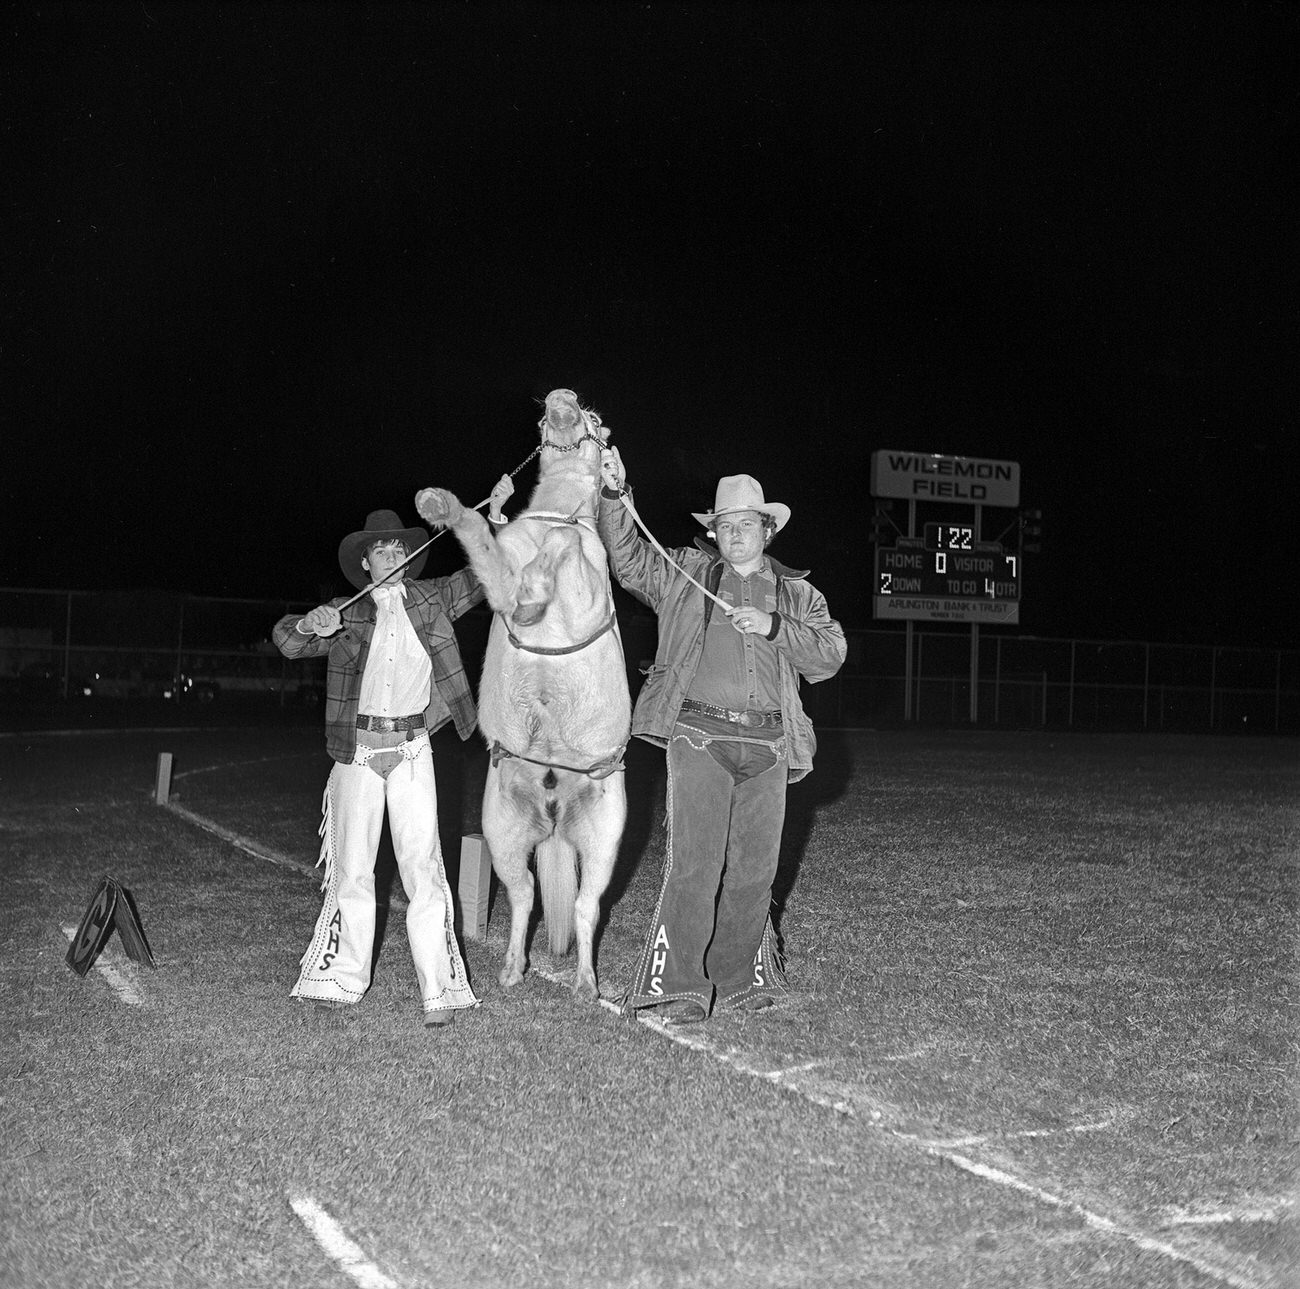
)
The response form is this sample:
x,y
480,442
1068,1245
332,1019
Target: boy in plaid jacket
x,y
395,675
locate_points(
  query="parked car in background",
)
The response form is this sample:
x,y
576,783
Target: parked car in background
x,y
43,680
128,682
221,677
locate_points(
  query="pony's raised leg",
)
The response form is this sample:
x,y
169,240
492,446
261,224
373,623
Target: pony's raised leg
x,y
510,838
491,563
596,835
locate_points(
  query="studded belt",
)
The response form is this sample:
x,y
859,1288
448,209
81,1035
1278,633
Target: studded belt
x,y
390,724
726,714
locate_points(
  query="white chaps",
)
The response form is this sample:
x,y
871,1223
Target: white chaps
x,y
393,772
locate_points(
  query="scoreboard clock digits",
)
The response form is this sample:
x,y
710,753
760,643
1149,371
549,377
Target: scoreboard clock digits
x,y
949,537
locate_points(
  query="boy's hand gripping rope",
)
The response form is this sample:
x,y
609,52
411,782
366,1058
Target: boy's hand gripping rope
x,y
419,550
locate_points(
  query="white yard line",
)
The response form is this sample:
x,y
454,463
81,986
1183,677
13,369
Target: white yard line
x,y
1239,1275
331,1237
1266,1210
915,1054
234,765
257,850
246,844
982,1139
1215,1268
125,989
339,1246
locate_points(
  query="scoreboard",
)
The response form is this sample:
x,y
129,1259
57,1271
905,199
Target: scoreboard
x,y
946,575
938,568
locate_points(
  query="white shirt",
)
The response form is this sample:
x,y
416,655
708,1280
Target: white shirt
x,y
398,671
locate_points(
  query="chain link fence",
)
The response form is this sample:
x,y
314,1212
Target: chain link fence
x,y
1025,682
147,646
71,646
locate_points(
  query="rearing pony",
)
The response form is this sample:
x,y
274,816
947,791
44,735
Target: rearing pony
x,y
553,699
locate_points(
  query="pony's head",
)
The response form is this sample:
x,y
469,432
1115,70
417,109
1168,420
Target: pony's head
x,y
567,425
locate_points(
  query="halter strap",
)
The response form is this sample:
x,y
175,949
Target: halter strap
x,y
601,769
559,649
577,519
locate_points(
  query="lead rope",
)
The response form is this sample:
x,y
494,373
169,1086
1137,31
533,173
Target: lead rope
x,y
590,422
366,590
650,537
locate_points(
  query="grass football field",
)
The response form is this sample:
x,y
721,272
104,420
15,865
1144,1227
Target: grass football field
x,y
1041,1031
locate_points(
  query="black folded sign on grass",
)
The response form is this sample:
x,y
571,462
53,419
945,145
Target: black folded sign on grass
x,y
111,906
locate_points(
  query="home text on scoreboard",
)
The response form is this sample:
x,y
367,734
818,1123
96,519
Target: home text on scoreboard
x,y
982,571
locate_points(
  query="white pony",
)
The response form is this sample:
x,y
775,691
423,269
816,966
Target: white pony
x,y
553,701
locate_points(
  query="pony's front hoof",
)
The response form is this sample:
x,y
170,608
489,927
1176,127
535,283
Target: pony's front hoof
x,y
584,988
439,507
510,977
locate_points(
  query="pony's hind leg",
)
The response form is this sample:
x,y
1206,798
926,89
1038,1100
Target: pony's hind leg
x,y
510,837
596,835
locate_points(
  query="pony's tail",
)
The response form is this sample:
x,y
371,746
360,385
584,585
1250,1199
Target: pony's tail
x,y
557,871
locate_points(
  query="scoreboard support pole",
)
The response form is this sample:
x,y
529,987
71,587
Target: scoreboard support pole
x,y
975,638
908,642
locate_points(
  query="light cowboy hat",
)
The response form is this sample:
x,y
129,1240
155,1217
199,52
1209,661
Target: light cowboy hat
x,y
742,492
381,526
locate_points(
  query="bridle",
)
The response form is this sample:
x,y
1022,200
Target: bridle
x,y
591,422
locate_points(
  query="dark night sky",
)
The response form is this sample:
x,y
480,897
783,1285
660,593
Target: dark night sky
x,y
268,267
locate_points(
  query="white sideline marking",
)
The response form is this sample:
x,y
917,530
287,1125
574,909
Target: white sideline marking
x,y
1271,1210
1097,1222
233,765
257,851
913,1055
699,1043
246,844
125,989
335,1241
1097,1125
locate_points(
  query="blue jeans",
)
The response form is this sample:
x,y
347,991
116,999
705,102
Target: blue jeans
x,y
710,939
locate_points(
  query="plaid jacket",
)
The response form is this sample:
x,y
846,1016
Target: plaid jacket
x,y
432,606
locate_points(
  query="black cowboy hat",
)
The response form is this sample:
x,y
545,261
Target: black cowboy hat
x,y
381,526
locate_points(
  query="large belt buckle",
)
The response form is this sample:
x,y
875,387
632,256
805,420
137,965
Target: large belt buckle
x,y
744,718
